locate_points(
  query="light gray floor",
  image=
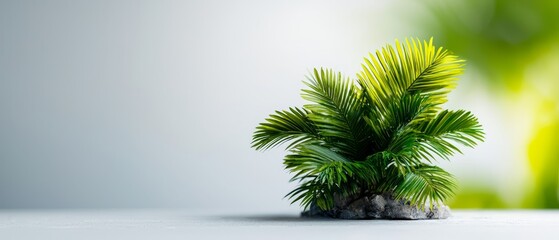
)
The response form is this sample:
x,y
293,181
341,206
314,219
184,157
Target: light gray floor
x,y
185,224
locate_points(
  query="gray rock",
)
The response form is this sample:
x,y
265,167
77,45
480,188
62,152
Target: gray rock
x,y
377,206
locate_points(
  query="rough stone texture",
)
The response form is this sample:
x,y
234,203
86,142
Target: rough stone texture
x,y
378,206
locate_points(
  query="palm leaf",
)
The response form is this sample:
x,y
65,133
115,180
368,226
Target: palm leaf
x,y
412,67
312,192
402,151
403,112
323,169
448,128
310,160
337,112
328,170
426,184
326,166
293,125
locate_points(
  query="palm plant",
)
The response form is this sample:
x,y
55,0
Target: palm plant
x,y
381,133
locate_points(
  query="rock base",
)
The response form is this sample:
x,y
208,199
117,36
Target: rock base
x,y
379,207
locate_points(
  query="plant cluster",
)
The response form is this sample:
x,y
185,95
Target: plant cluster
x,y
379,133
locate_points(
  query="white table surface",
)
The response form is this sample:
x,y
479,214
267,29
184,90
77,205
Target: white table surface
x,y
185,224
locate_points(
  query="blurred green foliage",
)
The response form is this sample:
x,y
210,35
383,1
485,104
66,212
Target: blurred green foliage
x,y
477,196
500,37
503,40
543,154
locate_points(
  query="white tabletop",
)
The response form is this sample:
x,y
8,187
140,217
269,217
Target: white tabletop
x,y
185,224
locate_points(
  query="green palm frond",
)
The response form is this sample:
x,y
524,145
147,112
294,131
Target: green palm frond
x,y
380,133
413,67
327,167
403,151
400,115
312,192
448,128
326,173
312,160
426,184
293,125
337,110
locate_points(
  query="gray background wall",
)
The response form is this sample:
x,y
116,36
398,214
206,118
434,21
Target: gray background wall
x,y
153,103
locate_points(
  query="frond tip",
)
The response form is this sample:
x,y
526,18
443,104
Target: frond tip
x,y
292,125
378,133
